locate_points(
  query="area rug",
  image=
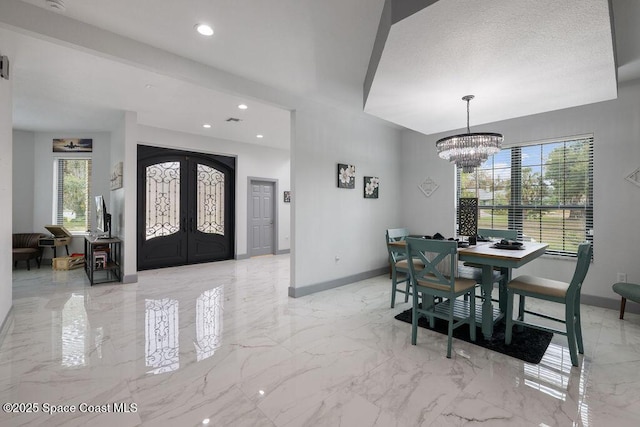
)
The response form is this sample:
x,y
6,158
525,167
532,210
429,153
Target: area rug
x,y
528,345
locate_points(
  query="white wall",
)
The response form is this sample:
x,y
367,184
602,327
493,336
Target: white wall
x,y
251,161
616,128
42,164
23,181
123,149
6,149
330,221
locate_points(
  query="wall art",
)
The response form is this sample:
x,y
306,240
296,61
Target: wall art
x,y
468,216
116,176
634,177
428,186
72,145
346,176
371,184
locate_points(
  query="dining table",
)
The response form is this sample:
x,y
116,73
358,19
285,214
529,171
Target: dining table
x,y
488,257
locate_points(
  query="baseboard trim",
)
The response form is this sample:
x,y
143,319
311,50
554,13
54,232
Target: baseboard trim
x,y
319,287
247,256
130,278
612,303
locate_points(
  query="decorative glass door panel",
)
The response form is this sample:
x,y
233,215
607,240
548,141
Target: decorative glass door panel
x,y
163,199
210,200
185,207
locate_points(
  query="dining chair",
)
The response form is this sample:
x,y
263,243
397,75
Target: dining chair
x,y
438,290
500,275
499,233
556,291
399,263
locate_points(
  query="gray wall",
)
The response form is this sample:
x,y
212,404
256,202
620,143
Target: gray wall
x,y
616,129
252,160
40,165
330,221
36,159
23,181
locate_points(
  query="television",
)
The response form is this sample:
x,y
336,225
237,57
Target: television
x,y
103,218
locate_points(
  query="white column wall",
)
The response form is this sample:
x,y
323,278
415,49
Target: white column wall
x,y
123,149
6,179
23,181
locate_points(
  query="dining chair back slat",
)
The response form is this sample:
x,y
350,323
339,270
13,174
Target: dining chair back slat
x,y
500,233
398,263
438,292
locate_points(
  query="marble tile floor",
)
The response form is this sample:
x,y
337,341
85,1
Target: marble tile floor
x,y
222,344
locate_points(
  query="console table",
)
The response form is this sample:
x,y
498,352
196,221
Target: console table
x,y
102,258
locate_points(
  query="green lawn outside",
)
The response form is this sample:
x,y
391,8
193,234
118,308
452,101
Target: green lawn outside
x,y
545,230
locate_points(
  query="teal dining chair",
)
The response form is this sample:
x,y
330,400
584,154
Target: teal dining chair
x,y
436,285
556,291
500,276
399,264
492,233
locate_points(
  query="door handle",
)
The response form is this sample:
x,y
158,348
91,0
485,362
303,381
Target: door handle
x,y
184,224
191,224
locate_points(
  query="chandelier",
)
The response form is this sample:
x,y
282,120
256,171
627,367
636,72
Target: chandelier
x,y
469,150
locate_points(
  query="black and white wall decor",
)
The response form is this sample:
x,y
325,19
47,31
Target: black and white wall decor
x,y
371,184
346,176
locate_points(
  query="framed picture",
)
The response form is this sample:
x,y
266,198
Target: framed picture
x,y
287,196
346,176
116,176
72,145
371,184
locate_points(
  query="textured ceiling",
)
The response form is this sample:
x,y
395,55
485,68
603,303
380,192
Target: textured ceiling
x,y
517,57
316,50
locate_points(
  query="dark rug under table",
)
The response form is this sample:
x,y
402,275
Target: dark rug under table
x,y
528,345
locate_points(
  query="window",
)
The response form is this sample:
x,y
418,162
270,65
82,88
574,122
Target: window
x,y
543,190
72,180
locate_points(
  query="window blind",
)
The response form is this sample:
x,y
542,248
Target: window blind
x,y
73,187
542,190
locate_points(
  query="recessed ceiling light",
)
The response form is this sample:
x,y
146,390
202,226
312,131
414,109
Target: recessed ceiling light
x,y
259,136
206,125
204,29
205,421
243,106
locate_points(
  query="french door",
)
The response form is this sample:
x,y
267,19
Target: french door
x,y
186,207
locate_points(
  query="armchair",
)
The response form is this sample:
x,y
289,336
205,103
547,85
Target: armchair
x,y
25,248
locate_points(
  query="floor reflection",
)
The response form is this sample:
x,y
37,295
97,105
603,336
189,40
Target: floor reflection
x,y
162,346
208,322
74,332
